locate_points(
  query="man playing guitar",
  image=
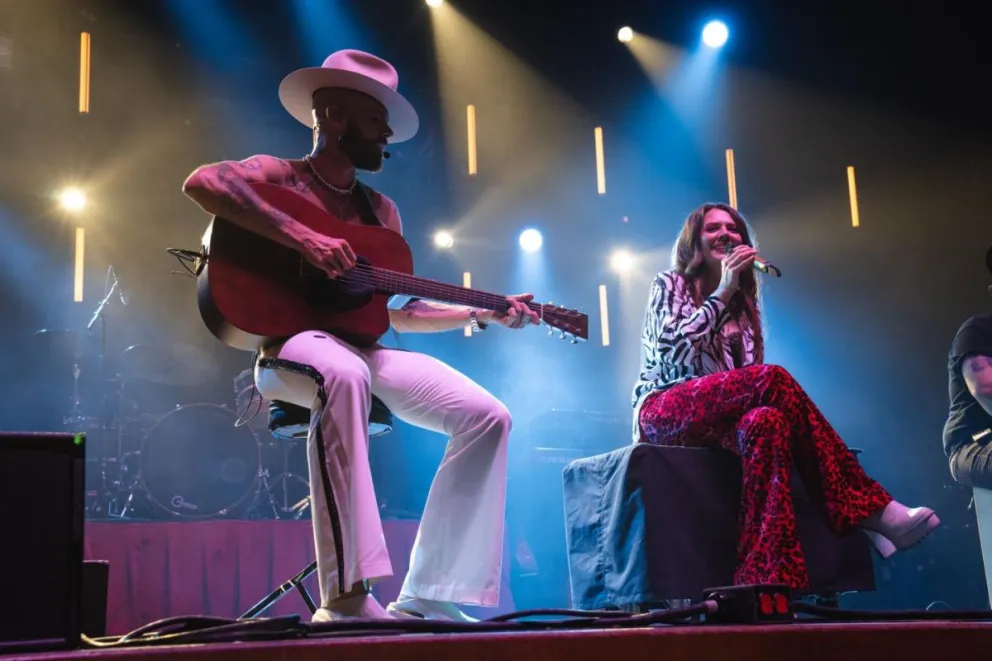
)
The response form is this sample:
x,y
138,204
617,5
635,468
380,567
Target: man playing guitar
x,y
353,107
968,430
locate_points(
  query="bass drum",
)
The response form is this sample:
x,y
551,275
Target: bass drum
x,y
196,464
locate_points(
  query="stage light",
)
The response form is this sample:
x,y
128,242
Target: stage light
x,y
852,189
84,72
715,34
604,316
435,3
72,199
731,179
621,261
531,240
600,163
443,239
473,160
79,270
625,34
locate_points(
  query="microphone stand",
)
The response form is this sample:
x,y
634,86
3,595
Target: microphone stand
x,y
98,314
113,290
76,416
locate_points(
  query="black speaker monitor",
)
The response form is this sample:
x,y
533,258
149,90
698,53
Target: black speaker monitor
x,y
41,519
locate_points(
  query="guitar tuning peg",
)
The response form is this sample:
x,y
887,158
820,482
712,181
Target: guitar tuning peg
x,y
562,336
575,340
551,331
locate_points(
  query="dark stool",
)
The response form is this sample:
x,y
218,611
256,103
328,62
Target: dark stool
x,y
290,422
647,524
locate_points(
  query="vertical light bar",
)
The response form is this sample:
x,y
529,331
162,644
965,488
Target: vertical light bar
x,y
600,164
473,164
852,189
604,316
467,283
731,179
84,72
77,285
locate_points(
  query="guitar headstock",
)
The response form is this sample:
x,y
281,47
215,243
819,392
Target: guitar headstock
x,y
571,323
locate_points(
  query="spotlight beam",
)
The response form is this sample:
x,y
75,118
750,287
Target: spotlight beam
x,y
531,240
72,199
715,34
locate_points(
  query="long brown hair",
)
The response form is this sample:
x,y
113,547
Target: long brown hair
x,y
687,260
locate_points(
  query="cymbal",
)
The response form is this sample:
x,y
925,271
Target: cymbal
x,y
170,365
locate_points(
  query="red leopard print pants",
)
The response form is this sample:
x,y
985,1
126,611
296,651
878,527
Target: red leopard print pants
x,y
764,415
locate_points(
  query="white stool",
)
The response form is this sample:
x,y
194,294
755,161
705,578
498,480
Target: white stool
x,y
983,512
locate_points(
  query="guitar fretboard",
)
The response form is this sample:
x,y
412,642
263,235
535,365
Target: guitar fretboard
x,y
394,282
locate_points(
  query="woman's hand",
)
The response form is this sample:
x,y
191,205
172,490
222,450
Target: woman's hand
x,y
740,259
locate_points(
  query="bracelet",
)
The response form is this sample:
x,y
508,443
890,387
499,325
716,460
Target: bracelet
x,y
473,320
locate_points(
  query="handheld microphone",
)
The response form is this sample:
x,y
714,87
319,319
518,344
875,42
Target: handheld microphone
x,y
763,265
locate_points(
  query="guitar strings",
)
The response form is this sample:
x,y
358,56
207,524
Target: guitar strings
x,y
378,277
371,275
374,279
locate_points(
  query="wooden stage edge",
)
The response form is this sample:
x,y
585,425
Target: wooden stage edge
x,y
813,641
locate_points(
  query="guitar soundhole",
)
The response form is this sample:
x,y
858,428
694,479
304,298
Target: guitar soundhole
x,y
349,291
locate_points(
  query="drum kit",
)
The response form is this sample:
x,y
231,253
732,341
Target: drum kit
x,y
151,458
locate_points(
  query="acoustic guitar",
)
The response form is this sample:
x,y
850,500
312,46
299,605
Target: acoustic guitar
x,y
252,291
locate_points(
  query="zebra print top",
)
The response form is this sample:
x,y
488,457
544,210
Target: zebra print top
x,y
679,341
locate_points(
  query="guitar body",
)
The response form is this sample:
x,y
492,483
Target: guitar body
x,y
252,291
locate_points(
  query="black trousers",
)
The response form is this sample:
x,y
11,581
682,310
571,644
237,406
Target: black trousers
x,y
971,464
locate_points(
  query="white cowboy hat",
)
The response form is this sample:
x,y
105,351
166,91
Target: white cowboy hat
x,y
354,70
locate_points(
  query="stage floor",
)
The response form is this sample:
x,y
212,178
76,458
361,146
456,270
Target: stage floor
x,y
221,568
809,641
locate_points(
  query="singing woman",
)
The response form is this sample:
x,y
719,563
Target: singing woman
x,y
703,383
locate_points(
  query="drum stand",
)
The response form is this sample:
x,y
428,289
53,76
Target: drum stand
x,y
262,491
265,488
288,507
129,502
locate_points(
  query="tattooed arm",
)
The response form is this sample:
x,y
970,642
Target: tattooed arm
x,y
222,189
977,373
419,316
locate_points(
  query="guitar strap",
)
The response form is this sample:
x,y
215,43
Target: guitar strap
x,y
362,199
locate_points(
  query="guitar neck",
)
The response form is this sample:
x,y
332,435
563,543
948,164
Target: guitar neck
x,y
410,285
